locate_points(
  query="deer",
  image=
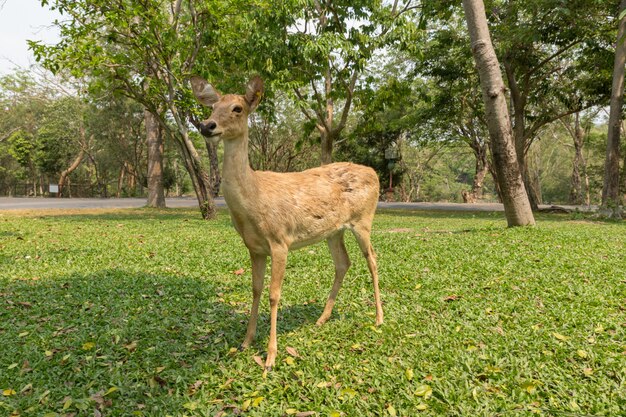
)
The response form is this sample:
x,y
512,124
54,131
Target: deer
x,y
275,213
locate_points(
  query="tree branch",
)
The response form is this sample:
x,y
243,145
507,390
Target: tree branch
x,y
348,103
539,123
305,112
9,134
551,57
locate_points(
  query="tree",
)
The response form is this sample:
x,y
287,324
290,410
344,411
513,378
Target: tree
x,y
610,189
62,140
154,142
552,54
146,51
578,126
381,124
544,47
325,48
277,140
515,199
22,106
120,154
452,111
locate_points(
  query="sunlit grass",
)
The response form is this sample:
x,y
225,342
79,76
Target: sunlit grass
x,y
136,312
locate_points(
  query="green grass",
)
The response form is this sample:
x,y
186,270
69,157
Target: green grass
x,y
136,312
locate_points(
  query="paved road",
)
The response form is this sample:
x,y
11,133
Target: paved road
x,y
29,203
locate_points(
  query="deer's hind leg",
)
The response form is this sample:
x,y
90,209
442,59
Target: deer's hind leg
x,y
342,263
362,233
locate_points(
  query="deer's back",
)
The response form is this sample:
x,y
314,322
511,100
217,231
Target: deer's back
x,y
301,208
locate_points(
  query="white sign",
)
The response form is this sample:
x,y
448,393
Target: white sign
x,y
54,188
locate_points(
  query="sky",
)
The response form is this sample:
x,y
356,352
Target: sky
x,y
21,20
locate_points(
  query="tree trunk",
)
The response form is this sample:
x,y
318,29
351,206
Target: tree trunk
x,y
69,170
120,182
199,177
577,194
131,179
531,185
327,139
215,177
610,189
177,182
623,178
520,139
496,184
576,189
516,205
154,143
482,167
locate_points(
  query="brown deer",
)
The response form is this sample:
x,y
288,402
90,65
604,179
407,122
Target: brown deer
x,y
278,212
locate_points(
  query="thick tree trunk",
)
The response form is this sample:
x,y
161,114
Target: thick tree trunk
x,y
623,178
576,190
120,182
532,186
177,182
531,183
516,205
579,168
199,176
215,178
154,143
520,139
63,178
482,167
610,189
496,183
327,139
131,179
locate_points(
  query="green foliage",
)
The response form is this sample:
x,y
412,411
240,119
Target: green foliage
x,y
21,147
59,137
138,312
280,143
381,125
50,125
411,64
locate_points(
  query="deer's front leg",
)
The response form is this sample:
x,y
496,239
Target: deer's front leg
x,y
258,275
279,260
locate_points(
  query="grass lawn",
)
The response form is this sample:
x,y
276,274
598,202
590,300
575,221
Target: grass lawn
x,y
138,312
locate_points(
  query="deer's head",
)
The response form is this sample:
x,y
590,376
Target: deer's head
x,y
229,119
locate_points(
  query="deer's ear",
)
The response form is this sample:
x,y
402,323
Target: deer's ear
x,y
205,93
254,92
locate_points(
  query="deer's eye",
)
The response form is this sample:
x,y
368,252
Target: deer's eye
x,y
237,109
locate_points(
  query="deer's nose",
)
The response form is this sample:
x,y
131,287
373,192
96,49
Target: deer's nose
x,y
206,128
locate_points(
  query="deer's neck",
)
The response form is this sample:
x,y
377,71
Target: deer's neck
x,y
237,176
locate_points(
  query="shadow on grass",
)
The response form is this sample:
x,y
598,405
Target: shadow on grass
x,y
148,335
174,310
